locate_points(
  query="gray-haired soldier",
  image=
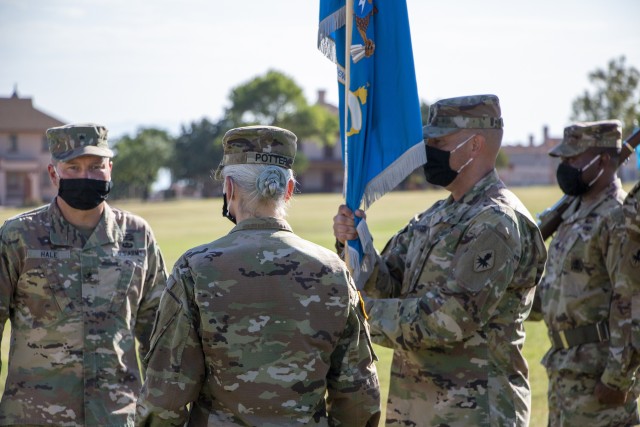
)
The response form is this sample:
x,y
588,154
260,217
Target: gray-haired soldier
x,y
450,291
590,366
80,281
260,327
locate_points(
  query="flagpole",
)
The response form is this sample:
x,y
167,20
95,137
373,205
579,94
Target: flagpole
x,y
347,85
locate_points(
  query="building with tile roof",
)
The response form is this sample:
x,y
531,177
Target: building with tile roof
x,y
24,153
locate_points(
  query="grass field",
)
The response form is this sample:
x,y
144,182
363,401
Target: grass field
x,y
180,225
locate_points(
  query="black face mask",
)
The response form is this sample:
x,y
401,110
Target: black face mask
x,y
225,210
84,194
570,179
437,169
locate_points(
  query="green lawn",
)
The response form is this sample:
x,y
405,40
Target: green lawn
x,y
180,225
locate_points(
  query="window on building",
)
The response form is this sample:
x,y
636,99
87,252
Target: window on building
x,y
15,184
13,143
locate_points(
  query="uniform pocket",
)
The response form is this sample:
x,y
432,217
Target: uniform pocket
x,y
118,286
41,296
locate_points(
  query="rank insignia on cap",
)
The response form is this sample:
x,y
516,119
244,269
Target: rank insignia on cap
x,y
483,261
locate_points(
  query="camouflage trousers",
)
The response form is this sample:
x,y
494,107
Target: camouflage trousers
x,y
572,403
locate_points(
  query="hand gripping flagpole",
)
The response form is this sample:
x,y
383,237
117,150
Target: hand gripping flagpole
x,y
381,127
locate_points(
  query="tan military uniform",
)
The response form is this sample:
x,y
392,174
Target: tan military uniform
x,y
75,308
629,271
621,371
576,297
260,328
457,284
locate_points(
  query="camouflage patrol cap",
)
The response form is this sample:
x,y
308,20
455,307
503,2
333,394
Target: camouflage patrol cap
x,y
75,140
579,137
465,112
258,145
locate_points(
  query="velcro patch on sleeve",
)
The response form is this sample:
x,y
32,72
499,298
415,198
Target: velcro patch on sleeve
x,y
482,260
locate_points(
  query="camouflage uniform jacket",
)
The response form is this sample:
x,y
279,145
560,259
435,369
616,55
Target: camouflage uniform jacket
x,y
578,284
253,329
456,285
75,310
624,348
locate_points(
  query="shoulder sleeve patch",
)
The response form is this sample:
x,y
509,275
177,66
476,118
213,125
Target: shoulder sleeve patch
x,y
482,260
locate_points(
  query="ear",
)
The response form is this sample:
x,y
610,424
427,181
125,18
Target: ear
x,y
290,188
228,187
52,175
478,142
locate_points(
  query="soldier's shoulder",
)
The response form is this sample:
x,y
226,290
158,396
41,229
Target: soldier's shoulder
x,y
315,251
497,210
507,198
130,220
26,219
205,250
611,207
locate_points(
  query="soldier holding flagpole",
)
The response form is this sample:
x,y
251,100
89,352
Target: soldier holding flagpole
x,y
450,291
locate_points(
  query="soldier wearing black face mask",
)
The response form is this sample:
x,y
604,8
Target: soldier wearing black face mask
x,y
455,284
81,282
591,378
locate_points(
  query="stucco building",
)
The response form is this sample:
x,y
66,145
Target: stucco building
x,y
24,153
530,164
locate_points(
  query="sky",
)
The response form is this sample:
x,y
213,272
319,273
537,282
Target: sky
x,y
166,63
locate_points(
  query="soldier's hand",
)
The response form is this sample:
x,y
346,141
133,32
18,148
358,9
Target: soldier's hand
x,y
344,227
609,396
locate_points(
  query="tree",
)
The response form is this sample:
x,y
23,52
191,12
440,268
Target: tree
x,y
276,100
616,95
197,153
502,160
138,160
314,122
265,100
424,112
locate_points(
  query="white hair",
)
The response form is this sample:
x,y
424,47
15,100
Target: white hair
x,y
263,188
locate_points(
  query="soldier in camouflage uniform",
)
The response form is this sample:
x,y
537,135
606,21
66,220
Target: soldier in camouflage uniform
x,y
627,294
590,375
80,282
624,347
260,327
449,292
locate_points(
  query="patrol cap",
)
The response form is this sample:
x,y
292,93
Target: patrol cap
x,y
75,140
581,136
258,145
464,112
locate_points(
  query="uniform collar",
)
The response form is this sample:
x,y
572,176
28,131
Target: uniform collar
x,y
64,234
453,211
264,223
580,209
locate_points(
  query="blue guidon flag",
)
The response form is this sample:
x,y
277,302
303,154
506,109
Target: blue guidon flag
x,y
380,121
